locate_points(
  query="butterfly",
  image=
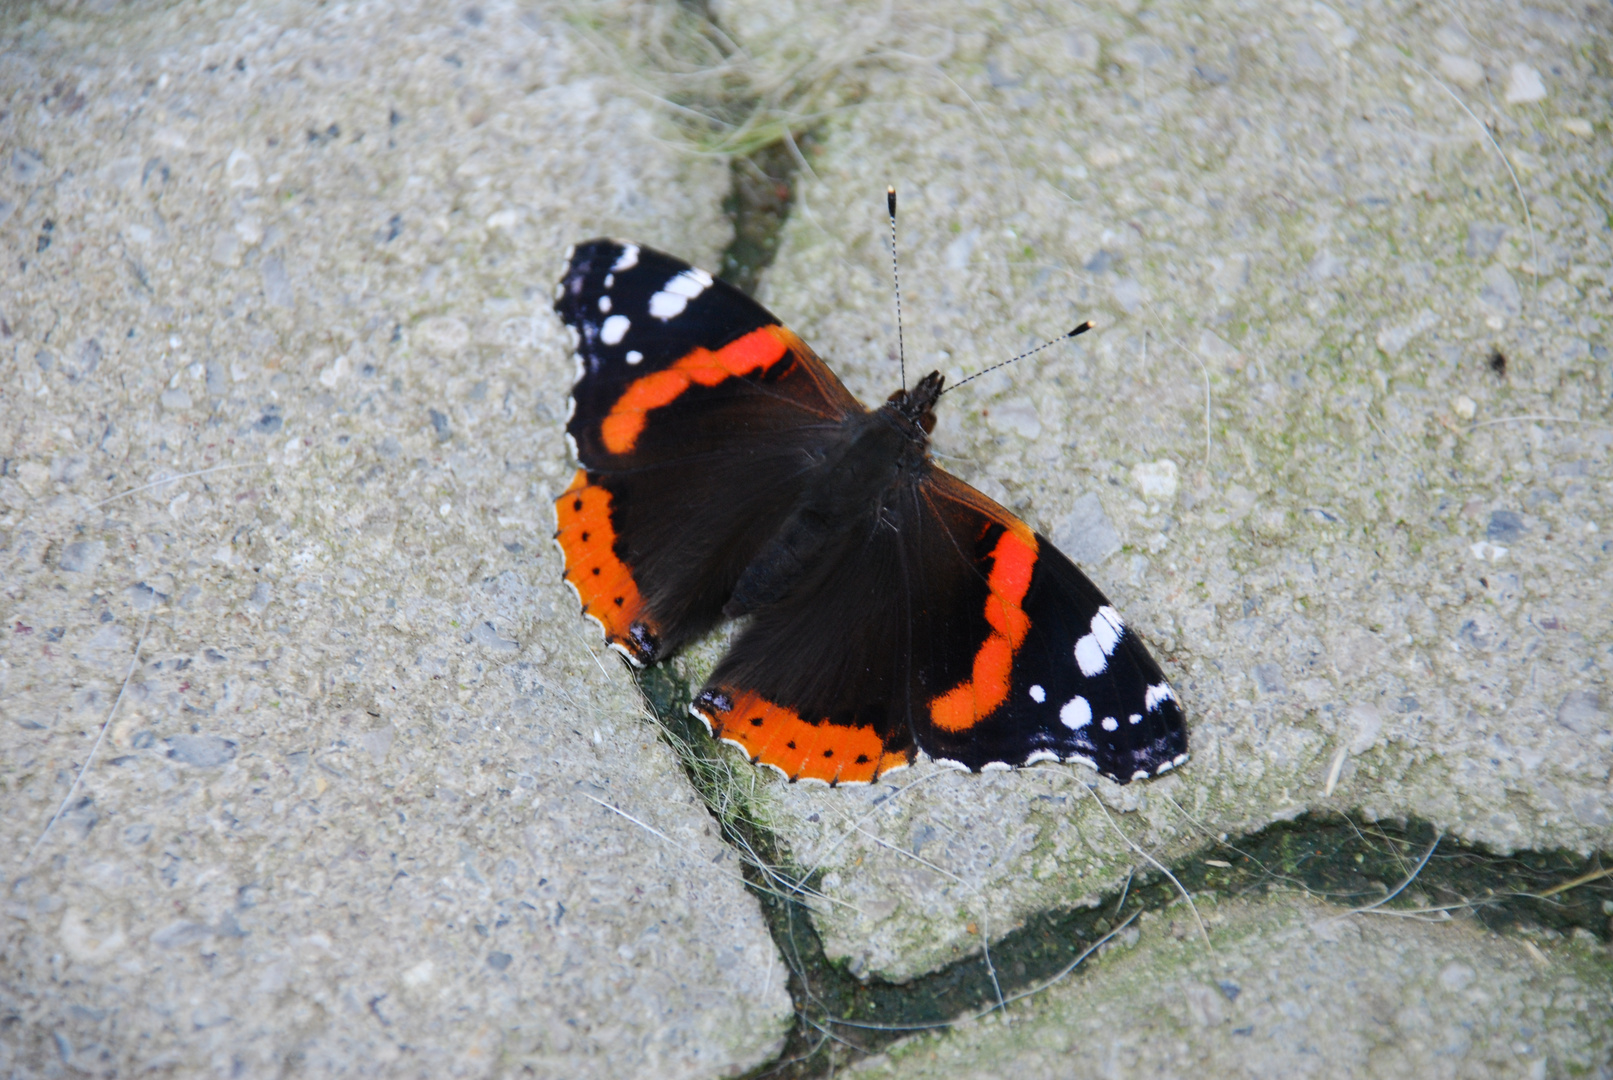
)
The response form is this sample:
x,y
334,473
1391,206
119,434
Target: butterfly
x,y
888,607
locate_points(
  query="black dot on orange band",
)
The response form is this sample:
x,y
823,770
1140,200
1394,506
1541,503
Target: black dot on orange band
x,y
791,744
576,504
756,721
828,753
596,571
585,538
619,601
862,759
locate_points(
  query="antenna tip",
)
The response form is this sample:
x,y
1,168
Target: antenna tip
x,y
890,200
1083,328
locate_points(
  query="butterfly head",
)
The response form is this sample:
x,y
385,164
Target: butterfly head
x,y
918,404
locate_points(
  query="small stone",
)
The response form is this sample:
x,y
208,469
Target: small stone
x,y
1524,85
1269,679
1575,125
1461,70
1464,407
1581,712
488,638
1501,293
1392,339
498,961
334,372
262,593
276,285
204,751
1085,534
176,399
180,933
82,557
226,249
1155,479
241,170
443,334
439,424
1483,237
1505,527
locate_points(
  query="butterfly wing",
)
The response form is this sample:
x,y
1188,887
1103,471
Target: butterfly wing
x,y
1058,675
696,418
944,624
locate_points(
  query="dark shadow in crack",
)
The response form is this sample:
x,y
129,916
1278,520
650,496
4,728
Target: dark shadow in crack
x,y
758,204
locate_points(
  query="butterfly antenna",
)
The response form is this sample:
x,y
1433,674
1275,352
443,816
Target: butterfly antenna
x,y
1083,328
896,279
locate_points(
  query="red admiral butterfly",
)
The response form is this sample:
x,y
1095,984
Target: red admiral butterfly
x,y
891,607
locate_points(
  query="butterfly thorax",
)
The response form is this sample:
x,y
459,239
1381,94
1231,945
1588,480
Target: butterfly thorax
x,y
850,484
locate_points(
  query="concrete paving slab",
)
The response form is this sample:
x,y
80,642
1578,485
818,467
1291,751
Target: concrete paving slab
x,y
1292,987
1339,450
282,418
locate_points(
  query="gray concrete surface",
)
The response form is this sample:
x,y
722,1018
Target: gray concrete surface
x,y
352,813
347,814
1376,558
1294,988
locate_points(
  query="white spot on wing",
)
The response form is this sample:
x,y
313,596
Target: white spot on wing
x,y
1158,695
1084,760
1107,628
631,659
1038,695
676,293
576,376
571,443
604,304
664,305
627,259
1135,718
610,279
1038,756
1090,657
614,330
996,766
1140,774
700,716
948,763
634,356
1076,713
1110,723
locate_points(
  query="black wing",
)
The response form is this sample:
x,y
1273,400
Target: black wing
x,y
696,418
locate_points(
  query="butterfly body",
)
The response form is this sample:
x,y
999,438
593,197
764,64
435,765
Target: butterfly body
x,y
889,607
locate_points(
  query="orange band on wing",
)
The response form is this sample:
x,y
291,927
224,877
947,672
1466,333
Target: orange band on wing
x,y
777,736
603,582
1012,562
756,351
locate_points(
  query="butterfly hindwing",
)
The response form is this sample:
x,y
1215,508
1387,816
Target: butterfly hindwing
x,y
695,416
961,633
1080,685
